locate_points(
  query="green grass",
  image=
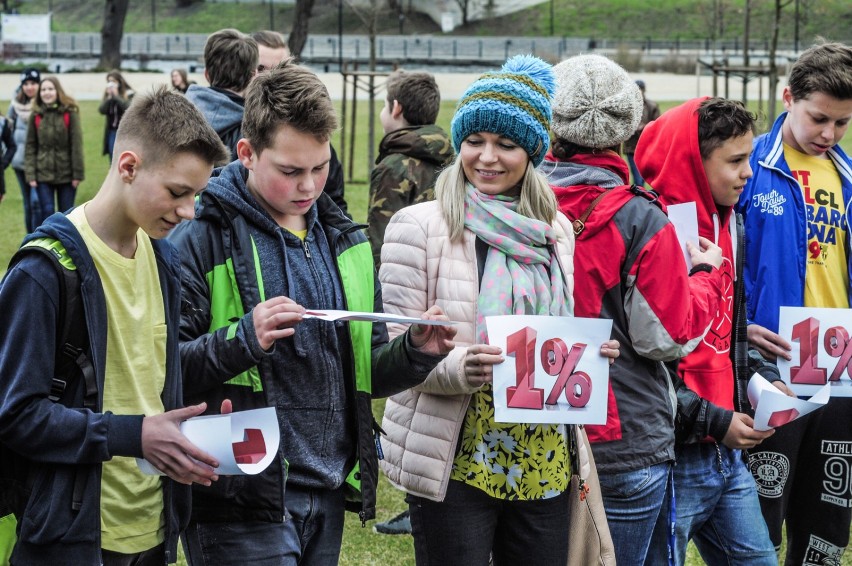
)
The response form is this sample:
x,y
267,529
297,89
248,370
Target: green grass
x,y
613,19
360,545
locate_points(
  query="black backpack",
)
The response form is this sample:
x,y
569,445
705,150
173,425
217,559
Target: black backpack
x,y
73,369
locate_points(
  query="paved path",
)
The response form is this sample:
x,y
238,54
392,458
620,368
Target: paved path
x,y
660,86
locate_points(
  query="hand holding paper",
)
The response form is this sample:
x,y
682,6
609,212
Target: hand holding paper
x,y
241,443
772,408
433,339
164,445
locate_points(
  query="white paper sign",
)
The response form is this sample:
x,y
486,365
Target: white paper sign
x,y
26,28
772,408
821,350
553,370
684,218
373,317
244,443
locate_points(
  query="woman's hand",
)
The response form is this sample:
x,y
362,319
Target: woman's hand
x,y
611,349
479,362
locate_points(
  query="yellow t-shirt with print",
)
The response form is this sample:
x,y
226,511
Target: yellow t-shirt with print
x,y
826,275
132,518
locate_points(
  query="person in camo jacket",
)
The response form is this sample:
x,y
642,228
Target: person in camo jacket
x,y
412,153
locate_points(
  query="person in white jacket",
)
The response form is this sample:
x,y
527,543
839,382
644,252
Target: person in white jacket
x,y
492,243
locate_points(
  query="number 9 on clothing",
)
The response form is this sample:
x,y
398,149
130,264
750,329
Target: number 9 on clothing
x,y
553,370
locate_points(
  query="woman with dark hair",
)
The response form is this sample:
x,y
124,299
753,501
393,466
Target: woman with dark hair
x,y
19,115
117,97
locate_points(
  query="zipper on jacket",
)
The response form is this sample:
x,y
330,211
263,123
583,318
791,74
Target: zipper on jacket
x,y
307,251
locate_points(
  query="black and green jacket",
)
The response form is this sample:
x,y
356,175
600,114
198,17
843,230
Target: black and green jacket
x,y
321,380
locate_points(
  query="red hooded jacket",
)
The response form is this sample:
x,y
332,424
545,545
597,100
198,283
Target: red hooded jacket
x,y
669,159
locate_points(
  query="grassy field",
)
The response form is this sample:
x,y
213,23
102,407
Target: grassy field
x,y
361,546
613,19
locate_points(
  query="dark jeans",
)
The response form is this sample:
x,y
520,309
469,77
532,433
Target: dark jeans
x,y
469,526
153,557
804,476
634,171
311,535
111,143
30,204
63,194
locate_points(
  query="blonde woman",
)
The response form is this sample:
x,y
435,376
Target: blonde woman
x,y
492,243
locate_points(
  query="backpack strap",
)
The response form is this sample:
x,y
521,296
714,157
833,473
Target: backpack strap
x,y
66,119
71,357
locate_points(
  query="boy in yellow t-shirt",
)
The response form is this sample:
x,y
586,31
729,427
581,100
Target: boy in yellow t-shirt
x,y
797,254
89,503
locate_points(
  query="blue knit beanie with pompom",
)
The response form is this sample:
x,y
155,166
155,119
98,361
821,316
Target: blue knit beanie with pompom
x,y
513,102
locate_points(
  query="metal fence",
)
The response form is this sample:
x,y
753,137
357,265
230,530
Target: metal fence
x,y
427,50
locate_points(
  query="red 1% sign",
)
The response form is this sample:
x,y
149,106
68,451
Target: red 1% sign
x,y
553,373
821,350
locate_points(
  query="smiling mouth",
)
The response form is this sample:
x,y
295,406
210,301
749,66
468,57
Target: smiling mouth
x,y
488,172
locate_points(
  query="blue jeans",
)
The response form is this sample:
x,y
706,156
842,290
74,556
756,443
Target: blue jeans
x,y
636,504
470,525
111,143
64,195
718,508
634,171
29,199
310,535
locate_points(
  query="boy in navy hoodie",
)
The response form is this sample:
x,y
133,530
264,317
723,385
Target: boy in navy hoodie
x,y
699,152
73,439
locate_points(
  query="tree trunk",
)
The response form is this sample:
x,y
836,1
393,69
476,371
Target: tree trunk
x,y
111,34
773,68
299,33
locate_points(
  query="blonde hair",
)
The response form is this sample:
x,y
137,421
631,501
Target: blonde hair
x,y
536,199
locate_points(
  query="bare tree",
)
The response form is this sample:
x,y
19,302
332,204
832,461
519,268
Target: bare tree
x,y
464,5
299,32
773,67
111,33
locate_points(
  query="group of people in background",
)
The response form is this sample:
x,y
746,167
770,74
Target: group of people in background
x,y
196,285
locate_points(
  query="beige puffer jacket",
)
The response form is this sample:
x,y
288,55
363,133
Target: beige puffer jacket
x,y
421,268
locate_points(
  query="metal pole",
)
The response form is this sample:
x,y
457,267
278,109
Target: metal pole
x,y
340,37
796,29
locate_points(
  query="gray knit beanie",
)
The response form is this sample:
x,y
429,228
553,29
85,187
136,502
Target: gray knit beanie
x,y
596,105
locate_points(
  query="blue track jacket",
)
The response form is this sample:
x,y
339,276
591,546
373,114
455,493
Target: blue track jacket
x,y
776,228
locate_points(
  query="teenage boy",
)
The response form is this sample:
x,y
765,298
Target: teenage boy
x,y
797,254
412,153
698,152
230,63
88,502
271,49
266,241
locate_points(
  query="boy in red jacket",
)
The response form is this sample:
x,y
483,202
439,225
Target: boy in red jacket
x,y
699,151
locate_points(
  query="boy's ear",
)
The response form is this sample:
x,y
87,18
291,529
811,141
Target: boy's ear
x,y
128,165
396,110
245,153
787,97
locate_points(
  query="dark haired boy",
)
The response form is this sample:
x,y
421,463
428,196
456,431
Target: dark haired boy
x,y
796,210
412,153
266,244
698,152
74,439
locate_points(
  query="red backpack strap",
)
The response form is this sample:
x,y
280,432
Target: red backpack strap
x,y
67,119
37,120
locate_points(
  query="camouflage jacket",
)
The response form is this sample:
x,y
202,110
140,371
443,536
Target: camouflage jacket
x,y
408,164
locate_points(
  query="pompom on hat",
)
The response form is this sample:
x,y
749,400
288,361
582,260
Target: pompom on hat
x,y
597,104
30,74
513,102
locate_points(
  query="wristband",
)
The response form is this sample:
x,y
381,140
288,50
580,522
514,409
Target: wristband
x,y
701,267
